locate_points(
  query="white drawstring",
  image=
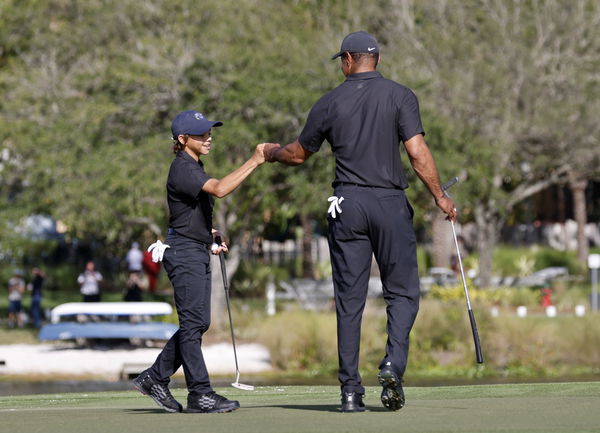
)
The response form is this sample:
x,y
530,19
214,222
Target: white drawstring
x,y
334,206
158,250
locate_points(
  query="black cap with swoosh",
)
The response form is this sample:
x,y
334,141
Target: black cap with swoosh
x,y
358,42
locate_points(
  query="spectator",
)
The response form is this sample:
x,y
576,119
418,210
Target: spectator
x,y
35,287
134,289
16,288
134,258
88,280
152,270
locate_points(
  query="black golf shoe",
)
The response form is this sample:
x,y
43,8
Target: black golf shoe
x,y
158,392
211,402
352,402
392,395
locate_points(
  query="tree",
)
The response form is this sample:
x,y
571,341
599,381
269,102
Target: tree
x,y
492,70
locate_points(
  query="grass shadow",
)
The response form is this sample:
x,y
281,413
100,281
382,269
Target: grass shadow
x,y
334,408
311,407
144,411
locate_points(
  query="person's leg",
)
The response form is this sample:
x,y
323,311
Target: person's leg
x,y
168,361
188,267
19,314
350,251
36,311
12,318
394,244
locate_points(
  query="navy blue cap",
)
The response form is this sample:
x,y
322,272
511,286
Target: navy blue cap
x,y
191,122
358,42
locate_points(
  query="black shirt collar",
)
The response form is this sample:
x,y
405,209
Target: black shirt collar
x,y
364,76
188,157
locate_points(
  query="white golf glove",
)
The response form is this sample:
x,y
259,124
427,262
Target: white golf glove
x,y
334,205
158,250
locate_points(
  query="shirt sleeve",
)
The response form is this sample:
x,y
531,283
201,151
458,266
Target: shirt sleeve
x,y
191,180
313,134
409,121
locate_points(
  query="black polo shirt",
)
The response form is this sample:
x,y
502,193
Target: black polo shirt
x,y
190,208
364,119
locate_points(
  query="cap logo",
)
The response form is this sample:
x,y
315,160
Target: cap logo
x,y
371,49
198,116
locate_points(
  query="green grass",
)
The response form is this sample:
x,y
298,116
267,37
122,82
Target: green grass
x,y
557,407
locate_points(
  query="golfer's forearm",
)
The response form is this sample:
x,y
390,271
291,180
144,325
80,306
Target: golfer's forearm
x,y
287,157
427,172
221,187
422,162
291,154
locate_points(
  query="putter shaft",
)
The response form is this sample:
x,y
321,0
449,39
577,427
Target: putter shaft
x,y
476,341
237,383
460,264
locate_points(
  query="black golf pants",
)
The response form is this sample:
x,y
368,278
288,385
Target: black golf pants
x,y
187,263
379,221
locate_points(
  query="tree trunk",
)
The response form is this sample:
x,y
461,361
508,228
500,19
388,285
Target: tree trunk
x,y
578,186
562,216
441,234
308,267
488,226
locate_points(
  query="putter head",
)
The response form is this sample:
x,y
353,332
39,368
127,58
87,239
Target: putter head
x,y
242,386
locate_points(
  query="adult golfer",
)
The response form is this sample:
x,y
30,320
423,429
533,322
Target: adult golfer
x,y
190,194
365,119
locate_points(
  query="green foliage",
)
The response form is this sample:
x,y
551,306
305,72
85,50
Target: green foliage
x,y
62,278
299,339
523,261
441,342
547,257
507,296
251,278
89,88
514,261
424,260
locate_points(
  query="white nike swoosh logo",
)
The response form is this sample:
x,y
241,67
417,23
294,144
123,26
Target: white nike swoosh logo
x,y
371,49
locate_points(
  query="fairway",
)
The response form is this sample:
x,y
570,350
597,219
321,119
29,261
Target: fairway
x,y
560,407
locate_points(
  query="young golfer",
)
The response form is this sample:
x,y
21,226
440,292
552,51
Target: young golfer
x,y
186,259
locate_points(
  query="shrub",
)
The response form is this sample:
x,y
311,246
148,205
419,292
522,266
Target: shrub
x,y
441,342
252,276
522,261
547,257
300,339
501,296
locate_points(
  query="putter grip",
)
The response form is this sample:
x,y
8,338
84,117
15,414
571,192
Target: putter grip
x,y
218,240
449,183
478,352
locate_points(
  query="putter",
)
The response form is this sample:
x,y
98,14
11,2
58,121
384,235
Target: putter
x,y
237,383
478,352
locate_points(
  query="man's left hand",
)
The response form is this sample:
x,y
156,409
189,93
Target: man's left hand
x,y
446,204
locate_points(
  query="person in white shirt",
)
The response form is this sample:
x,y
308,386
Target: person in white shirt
x,y
16,288
88,280
134,258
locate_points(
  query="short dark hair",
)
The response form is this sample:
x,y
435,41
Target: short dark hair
x,y
363,57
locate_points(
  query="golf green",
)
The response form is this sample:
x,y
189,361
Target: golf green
x,y
552,407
